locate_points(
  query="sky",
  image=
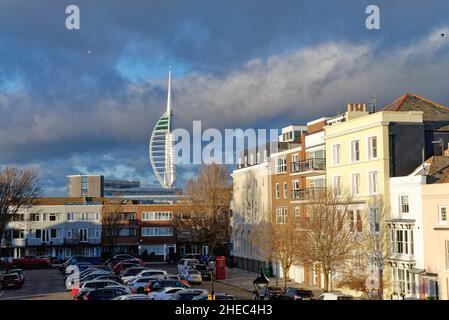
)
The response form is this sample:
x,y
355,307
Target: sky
x,y
85,101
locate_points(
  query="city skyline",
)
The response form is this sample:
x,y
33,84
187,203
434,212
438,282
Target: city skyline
x,y
84,101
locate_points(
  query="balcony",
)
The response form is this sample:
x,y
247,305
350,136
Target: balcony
x,y
39,242
309,167
307,194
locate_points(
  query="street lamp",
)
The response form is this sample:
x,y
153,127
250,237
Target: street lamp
x,y
212,264
260,283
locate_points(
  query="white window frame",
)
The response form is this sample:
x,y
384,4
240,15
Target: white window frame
x,y
86,233
69,233
370,148
336,154
281,215
285,188
335,186
440,215
352,151
277,190
402,205
373,186
353,184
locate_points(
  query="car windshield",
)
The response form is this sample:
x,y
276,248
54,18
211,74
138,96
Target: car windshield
x,y
194,272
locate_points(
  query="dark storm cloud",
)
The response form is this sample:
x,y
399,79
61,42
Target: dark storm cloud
x,y
236,63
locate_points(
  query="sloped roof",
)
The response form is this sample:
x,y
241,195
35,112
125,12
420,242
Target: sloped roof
x,y
411,102
438,171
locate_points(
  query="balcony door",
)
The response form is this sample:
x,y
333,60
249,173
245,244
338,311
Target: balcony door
x,y
45,236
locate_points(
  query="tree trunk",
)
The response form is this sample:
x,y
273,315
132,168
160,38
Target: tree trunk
x,y
285,271
381,284
326,280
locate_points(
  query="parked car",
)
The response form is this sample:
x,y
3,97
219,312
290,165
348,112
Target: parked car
x,y
297,294
192,276
176,277
158,285
123,265
71,281
132,297
185,263
20,273
172,258
335,296
31,262
275,293
119,258
95,284
96,261
109,277
144,273
218,296
11,280
187,294
138,285
104,294
204,270
160,295
131,271
80,266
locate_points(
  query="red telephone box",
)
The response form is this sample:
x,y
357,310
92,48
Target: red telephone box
x,y
220,272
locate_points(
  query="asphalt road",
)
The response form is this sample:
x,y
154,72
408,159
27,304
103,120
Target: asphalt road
x,y
47,284
40,284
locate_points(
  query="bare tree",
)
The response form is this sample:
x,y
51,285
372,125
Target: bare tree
x,y
376,243
111,221
279,239
331,232
19,189
206,206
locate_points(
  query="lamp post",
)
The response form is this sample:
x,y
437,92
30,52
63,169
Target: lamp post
x,y
212,264
260,283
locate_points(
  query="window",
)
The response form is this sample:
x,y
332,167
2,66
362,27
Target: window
x,y
402,241
337,185
35,217
278,191
443,215
69,233
69,216
83,234
337,154
156,249
374,220
156,215
372,148
297,212
132,216
53,233
38,234
355,220
281,215
404,206
281,165
157,231
285,190
97,233
403,280
356,184
355,150
18,217
374,182
53,217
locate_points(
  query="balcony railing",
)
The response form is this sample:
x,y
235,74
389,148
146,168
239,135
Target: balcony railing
x,y
312,164
307,194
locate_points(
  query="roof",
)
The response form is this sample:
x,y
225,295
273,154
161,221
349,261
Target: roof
x,y
412,102
438,171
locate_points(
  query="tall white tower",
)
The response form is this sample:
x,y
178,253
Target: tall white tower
x,y
161,145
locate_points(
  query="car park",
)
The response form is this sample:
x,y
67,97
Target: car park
x,y
10,280
218,296
160,295
297,294
133,297
186,294
123,265
275,293
31,262
192,276
138,285
335,296
185,264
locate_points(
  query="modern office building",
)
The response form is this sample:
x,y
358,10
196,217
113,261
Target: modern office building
x,y
161,145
